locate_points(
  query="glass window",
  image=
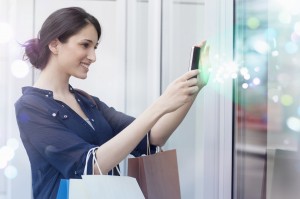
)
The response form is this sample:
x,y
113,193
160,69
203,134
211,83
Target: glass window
x,y
267,116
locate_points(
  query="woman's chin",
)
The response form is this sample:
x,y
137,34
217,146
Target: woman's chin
x,y
81,76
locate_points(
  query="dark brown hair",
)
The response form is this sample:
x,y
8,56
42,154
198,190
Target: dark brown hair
x,y
61,25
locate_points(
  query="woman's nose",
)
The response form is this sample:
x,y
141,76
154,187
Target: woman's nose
x,y
92,55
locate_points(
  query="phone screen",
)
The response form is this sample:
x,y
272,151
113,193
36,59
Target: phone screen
x,y
195,57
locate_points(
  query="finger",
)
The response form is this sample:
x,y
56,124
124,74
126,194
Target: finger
x,y
202,43
192,90
191,82
188,75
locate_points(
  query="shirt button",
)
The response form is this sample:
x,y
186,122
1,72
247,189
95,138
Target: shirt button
x,y
65,116
78,100
53,114
47,95
92,120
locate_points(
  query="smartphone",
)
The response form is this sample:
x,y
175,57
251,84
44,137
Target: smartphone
x,y
195,58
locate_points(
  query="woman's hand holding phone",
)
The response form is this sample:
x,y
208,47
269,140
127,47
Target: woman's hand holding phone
x,y
200,60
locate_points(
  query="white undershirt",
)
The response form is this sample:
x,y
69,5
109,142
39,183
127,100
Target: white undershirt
x,y
89,122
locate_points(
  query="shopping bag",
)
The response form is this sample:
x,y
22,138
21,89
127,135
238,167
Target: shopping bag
x,y
99,186
156,174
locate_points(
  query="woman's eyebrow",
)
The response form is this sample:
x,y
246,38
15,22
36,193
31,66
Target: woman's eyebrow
x,y
88,40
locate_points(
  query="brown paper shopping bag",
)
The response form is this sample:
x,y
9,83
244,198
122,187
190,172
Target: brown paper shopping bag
x,y
156,174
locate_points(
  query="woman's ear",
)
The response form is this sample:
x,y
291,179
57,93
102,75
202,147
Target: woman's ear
x,y
53,46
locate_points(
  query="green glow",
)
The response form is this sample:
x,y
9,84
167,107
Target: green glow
x,y
253,23
286,100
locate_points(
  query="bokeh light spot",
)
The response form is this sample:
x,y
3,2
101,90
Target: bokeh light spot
x,y
6,154
247,76
245,85
256,81
295,37
261,46
19,68
253,23
287,100
12,143
275,53
294,124
297,28
275,99
11,172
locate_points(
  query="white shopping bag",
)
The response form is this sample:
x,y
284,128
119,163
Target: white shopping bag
x,y
103,186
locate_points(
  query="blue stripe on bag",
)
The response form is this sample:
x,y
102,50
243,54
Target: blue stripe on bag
x,y
63,190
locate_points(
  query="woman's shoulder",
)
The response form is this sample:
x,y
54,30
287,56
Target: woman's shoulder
x,y
34,97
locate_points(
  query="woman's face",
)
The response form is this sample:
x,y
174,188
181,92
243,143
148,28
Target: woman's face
x,y
75,56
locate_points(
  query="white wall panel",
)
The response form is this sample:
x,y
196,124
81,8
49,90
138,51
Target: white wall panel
x,y
19,15
203,140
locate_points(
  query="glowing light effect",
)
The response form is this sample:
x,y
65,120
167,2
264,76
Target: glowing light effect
x,y
3,164
256,81
297,28
275,98
12,143
290,6
7,152
6,33
19,68
234,76
253,23
298,111
247,76
291,47
286,100
245,85
293,123
225,71
284,17
11,172
295,37
244,71
261,46
275,53
257,69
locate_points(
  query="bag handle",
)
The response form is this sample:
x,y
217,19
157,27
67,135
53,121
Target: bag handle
x,y
94,161
92,152
158,148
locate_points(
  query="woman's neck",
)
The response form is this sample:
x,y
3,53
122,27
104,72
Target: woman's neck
x,y
52,80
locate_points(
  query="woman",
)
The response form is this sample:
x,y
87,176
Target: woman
x,y
58,125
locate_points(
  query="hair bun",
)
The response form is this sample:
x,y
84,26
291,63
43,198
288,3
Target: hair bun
x,y
32,51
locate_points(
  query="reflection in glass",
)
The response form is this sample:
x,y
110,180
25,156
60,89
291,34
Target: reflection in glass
x,y
266,151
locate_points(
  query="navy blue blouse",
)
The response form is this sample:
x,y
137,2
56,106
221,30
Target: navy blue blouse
x,y
57,139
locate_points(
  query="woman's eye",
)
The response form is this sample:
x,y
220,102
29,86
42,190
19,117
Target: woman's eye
x,y
86,45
